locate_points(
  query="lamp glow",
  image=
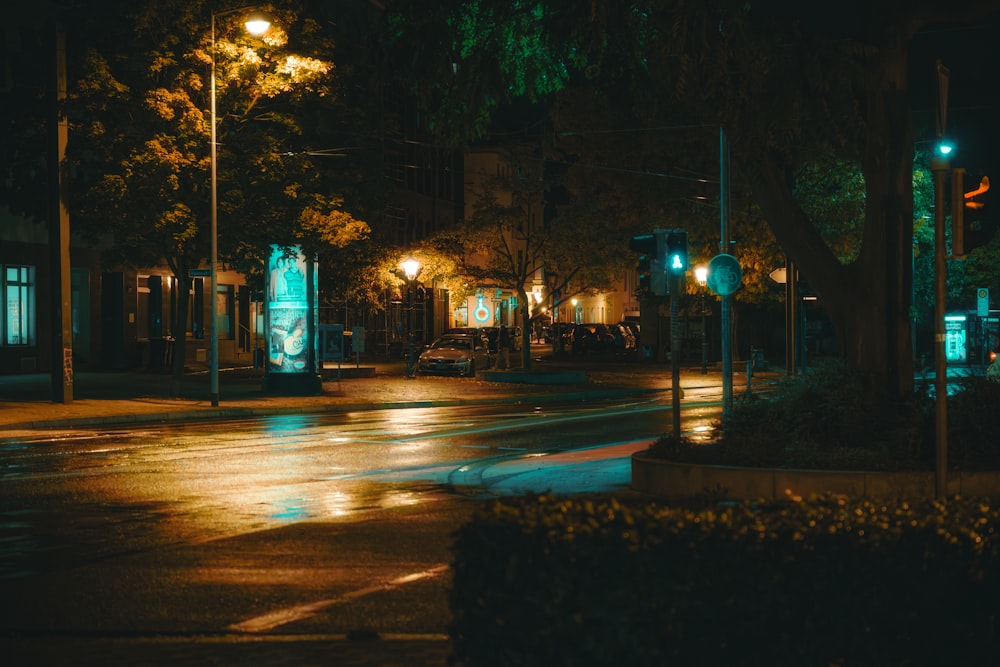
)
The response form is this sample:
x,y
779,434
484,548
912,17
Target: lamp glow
x,y
410,268
257,24
701,274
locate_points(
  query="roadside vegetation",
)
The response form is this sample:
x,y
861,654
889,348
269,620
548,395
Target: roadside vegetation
x,y
821,420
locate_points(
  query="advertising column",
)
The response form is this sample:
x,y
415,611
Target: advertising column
x,y
290,324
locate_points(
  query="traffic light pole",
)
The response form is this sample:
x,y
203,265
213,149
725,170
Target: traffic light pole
x,y
676,285
725,313
940,168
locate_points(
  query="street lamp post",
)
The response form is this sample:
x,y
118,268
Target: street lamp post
x,y
701,275
411,268
255,25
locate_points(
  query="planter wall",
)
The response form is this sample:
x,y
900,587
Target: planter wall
x,y
667,479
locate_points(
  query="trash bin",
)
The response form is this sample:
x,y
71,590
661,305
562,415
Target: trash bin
x,y
168,351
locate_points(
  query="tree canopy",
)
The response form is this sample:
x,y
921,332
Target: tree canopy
x,y
141,119
140,114
793,85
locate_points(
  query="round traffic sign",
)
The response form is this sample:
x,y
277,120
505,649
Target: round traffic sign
x,y
725,275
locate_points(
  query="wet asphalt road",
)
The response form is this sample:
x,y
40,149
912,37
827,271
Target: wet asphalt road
x,y
298,531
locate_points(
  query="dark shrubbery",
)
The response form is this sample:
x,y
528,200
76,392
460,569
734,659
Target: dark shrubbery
x,y
829,581
821,420
973,427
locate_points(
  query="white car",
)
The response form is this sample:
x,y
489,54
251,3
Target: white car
x,y
455,354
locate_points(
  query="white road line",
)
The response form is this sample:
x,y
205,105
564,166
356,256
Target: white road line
x,y
280,617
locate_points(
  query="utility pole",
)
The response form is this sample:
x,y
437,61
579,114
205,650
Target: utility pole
x,y
59,264
940,167
726,315
676,287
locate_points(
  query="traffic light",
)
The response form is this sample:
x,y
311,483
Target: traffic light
x,y
677,252
652,278
970,228
644,274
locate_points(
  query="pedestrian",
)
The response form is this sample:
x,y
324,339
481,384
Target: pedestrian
x,y
503,347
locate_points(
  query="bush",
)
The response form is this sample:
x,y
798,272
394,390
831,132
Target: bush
x,y
829,581
973,427
821,420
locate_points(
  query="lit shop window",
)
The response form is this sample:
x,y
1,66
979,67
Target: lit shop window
x,y
19,305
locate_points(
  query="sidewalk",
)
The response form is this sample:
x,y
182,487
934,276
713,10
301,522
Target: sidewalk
x,y
122,397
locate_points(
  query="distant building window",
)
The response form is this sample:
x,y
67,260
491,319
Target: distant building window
x,y
19,305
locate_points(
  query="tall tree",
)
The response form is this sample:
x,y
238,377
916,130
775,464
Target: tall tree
x,y
508,241
788,82
141,130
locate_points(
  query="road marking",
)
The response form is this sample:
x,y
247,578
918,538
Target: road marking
x,y
280,617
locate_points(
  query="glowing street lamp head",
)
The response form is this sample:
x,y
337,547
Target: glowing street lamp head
x,y
410,268
945,147
257,24
701,274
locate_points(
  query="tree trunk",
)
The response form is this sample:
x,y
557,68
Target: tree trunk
x,y
869,300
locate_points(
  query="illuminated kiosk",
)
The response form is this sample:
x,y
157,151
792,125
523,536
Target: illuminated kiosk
x,y
290,324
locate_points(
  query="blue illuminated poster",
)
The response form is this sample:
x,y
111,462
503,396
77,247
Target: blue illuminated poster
x,y
286,278
288,312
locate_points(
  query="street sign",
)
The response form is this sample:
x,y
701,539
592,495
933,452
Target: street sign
x,y
982,302
196,273
725,275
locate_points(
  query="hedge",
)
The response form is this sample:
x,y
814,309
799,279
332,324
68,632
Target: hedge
x,y
827,581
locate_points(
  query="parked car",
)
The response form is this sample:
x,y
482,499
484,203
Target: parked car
x,y
624,338
633,327
592,338
559,333
473,331
454,354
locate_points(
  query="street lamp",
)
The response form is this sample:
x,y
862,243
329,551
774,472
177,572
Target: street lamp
x,y
411,268
701,275
256,24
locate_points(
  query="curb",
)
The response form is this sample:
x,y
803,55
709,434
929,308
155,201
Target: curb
x,y
671,480
237,412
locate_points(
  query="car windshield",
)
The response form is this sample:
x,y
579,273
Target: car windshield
x,y
460,343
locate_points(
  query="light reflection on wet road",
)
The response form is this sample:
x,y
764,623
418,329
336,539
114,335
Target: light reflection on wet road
x,y
297,524
205,480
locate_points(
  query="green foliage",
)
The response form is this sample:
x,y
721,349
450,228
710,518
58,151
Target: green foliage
x,y
973,431
461,61
821,420
831,191
140,108
553,581
815,109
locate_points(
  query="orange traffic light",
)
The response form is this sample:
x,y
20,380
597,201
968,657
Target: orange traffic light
x,y
966,213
